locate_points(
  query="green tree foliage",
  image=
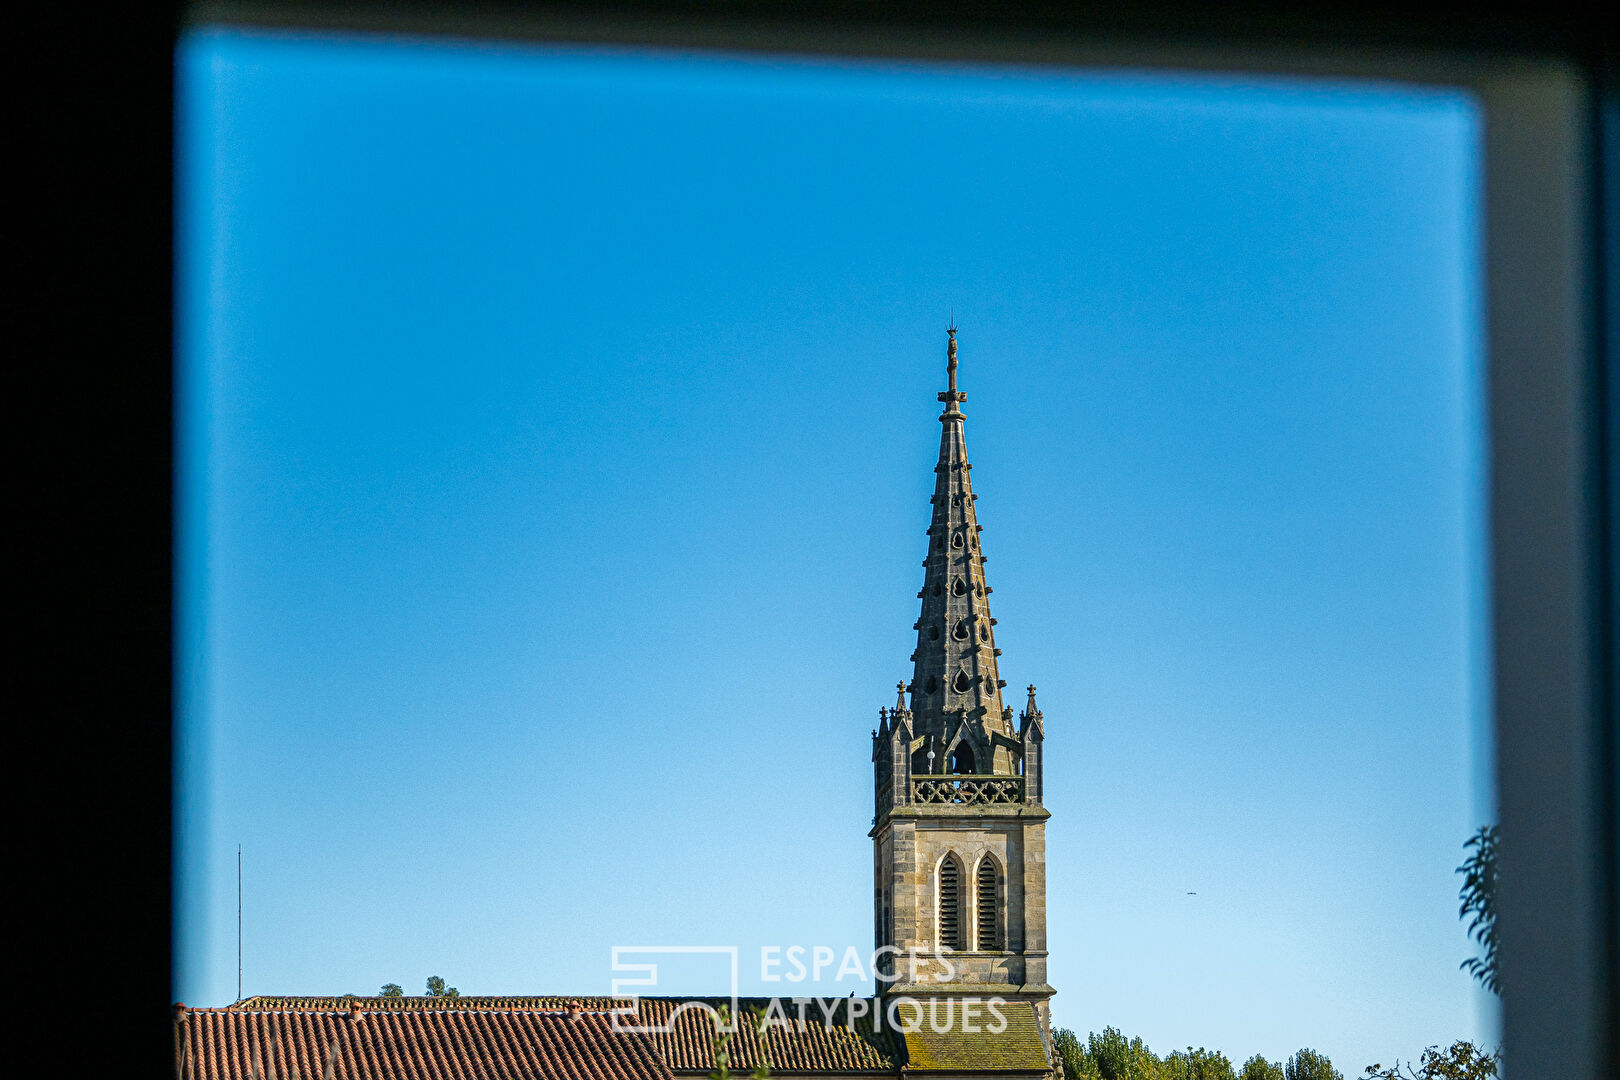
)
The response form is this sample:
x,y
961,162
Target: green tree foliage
x,y
1309,1065
1112,1054
391,990
1199,1064
1462,1060
1107,1056
1478,896
1117,1058
437,989
1071,1055
1258,1068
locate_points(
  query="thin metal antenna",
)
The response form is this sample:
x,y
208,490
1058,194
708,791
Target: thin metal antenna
x,y
238,922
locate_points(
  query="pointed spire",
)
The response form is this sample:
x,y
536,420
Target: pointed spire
x,y
956,718
1031,725
955,684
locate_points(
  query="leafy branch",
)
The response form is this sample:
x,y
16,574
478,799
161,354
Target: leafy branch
x,y
1461,1061
724,1033
1478,896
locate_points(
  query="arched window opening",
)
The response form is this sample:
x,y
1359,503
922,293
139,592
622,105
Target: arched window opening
x,y
956,541
933,685
989,907
962,759
950,904
961,631
959,587
963,683
933,633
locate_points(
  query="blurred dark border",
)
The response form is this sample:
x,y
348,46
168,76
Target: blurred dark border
x,y
96,97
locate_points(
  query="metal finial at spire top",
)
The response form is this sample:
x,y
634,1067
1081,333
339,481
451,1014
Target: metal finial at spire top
x,y
952,397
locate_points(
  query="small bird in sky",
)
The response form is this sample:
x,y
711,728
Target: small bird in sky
x,y
1192,894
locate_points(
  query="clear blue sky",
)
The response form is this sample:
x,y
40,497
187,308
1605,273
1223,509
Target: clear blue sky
x,y
557,433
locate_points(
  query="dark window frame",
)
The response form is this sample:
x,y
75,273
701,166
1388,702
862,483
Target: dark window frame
x,y
1546,78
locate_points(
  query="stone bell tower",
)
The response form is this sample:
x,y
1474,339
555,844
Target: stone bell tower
x,y
959,837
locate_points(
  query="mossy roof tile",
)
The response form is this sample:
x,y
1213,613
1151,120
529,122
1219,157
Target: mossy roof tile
x,y
951,1038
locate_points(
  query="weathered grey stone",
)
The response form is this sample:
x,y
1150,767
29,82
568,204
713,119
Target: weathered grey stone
x,y
955,779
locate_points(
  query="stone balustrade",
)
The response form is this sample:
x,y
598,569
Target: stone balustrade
x,y
966,790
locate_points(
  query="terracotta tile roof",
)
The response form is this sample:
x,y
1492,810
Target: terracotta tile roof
x,y
245,1042
331,1003
687,1046
971,1046
822,1044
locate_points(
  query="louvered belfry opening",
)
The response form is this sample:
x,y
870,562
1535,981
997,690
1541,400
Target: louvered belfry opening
x,y
989,936
950,904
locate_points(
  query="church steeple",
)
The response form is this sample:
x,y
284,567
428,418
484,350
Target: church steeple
x,y
959,832
955,684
